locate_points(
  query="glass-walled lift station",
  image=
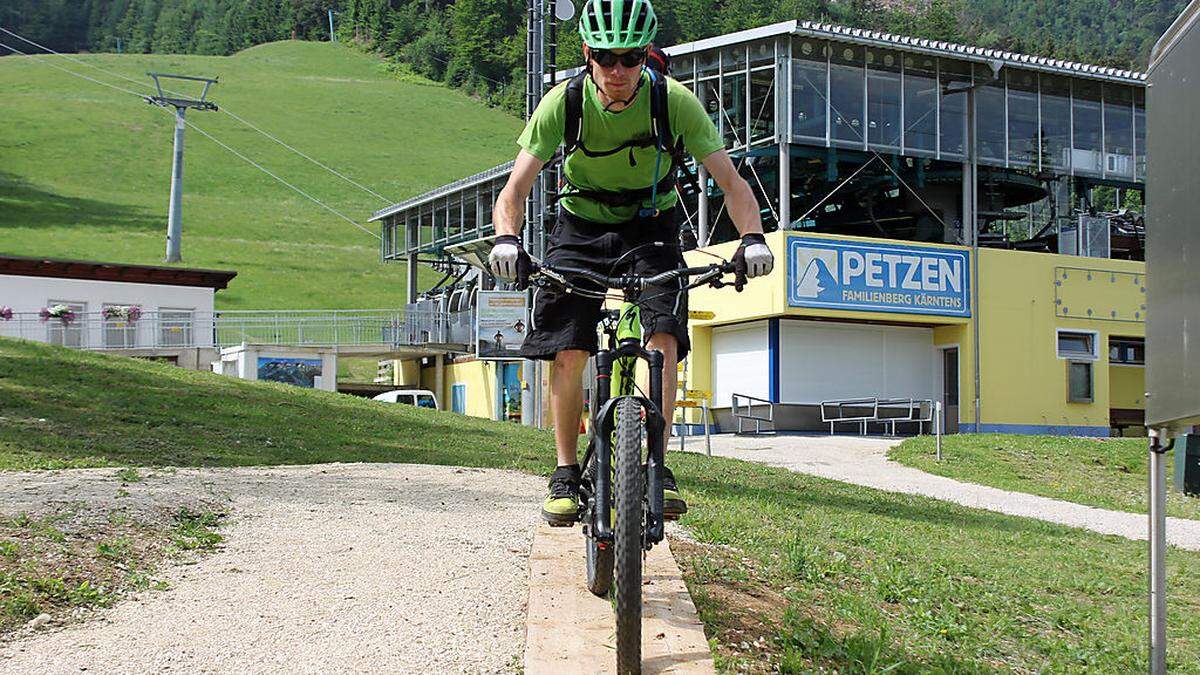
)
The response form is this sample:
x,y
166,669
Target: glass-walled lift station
x,y
810,109
856,144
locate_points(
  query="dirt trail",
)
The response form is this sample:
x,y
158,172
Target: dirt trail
x,y
325,568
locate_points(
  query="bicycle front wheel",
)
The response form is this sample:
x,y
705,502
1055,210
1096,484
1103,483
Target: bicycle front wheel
x,y
628,492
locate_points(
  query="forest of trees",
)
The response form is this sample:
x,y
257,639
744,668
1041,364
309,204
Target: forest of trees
x,y
478,45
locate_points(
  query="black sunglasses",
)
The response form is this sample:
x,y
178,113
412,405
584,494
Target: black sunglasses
x,y
607,59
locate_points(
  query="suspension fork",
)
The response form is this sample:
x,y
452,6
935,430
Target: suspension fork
x,y
604,424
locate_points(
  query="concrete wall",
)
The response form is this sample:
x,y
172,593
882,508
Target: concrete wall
x,y
242,362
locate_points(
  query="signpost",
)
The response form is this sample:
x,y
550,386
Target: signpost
x,y
1173,287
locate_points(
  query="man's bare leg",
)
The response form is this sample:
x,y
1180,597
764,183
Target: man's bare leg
x,y
566,402
669,346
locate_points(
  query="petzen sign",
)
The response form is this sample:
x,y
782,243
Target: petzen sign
x,y
835,274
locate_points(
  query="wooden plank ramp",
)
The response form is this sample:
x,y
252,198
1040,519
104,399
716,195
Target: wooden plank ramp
x,y
569,630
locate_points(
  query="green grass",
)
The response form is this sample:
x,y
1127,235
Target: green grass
x,y
861,580
86,169
1110,473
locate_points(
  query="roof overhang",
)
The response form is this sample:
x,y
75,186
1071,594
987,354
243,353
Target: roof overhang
x,y
871,38
101,271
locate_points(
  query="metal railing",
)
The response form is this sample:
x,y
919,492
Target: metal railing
x,y
749,414
869,409
177,329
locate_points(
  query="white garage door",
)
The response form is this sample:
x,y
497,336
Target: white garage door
x,y
741,362
822,361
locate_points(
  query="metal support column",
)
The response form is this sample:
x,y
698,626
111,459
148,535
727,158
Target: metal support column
x,y
702,233
439,379
971,224
410,274
175,215
785,186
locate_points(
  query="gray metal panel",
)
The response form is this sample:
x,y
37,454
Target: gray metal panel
x,y
1173,232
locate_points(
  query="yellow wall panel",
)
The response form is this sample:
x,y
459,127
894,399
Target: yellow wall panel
x,y
1098,292
1127,387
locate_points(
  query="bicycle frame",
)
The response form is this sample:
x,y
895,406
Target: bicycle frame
x,y
617,365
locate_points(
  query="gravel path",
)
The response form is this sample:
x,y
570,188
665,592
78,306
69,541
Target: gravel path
x,y
863,461
326,568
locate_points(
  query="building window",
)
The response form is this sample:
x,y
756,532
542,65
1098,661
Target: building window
x,y
1127,351
1087,130
953,120
920,104
1079,382
1076,345
809,81
883,98
119,333
847,82
175,327
67,334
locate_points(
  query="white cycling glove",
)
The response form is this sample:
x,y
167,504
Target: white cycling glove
x,y
754,258
508,259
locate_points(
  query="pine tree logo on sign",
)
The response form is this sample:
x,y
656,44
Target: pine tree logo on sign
x,y
914,279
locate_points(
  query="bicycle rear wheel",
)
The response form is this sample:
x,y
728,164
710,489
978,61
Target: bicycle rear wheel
x,y
628,492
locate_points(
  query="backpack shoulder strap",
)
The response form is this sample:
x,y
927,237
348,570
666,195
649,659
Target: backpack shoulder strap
x,y
573,119
660,117
660,114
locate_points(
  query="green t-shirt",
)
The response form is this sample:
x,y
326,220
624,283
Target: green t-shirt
x,y
631,168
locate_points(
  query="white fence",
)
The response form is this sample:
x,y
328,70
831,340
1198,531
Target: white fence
x,y
181,329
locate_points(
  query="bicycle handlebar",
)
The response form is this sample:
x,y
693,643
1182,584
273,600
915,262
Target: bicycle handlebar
x,y
706,273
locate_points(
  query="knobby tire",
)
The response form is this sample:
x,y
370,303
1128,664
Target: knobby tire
x,y
628,493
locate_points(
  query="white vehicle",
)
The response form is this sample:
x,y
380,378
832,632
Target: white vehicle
x,y
422,398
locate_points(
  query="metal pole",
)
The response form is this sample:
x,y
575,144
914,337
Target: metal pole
x,y
1158,552
332,37
937,428
973,222
704,421
785,186
531,393
702,206
175,217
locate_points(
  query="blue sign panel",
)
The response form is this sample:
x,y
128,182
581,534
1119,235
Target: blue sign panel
x,y
853,275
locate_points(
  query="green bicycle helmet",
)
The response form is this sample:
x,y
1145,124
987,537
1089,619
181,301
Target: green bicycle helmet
x,y
617,24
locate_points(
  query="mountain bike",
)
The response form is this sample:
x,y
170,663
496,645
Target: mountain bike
x,y
622,491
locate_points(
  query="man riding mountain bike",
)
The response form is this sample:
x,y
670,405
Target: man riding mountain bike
x,y
627,127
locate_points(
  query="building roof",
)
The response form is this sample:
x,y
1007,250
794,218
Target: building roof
x,y
101,271
872,38
447,189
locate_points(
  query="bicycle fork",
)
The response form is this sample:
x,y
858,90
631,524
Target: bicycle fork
x,y
604,422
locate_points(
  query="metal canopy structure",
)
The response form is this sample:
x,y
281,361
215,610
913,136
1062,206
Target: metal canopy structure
x,y
859,132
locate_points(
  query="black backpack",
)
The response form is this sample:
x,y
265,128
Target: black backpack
x,y
660,136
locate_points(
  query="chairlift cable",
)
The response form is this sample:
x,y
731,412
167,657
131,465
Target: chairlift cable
x,y
222,109
203,133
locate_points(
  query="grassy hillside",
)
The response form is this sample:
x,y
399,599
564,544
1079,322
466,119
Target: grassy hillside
x,y
1110,473
830,576
85,170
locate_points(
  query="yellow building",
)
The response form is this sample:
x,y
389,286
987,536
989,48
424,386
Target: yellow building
x,y
1061,337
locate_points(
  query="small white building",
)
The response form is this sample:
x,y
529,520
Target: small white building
x,y
138,310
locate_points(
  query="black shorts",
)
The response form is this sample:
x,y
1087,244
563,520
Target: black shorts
x,y
567,321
